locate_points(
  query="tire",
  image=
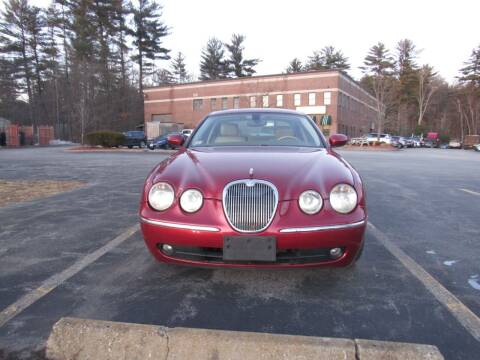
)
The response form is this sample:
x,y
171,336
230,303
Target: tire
x,y
130,146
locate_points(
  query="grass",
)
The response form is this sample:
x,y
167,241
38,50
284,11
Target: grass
x,y
12,192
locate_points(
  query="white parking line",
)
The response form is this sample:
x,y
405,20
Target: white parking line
x,y
54,281
462,313
470,192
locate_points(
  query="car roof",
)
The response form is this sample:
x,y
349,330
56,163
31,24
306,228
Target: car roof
x,y
256,110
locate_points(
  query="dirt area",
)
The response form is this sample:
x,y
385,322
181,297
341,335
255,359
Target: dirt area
x,y
370,148
102,149
21,190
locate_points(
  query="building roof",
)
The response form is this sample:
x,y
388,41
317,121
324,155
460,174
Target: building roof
x,y
257,110
201,82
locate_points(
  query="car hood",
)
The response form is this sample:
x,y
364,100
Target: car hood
x,y
291,170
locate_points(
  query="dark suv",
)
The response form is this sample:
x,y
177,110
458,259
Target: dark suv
x,y
135,138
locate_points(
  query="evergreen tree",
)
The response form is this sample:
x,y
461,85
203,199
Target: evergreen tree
x,y
407,70
379,68
148,33
471,71
378,61
179,69
237,65
333,59
14,43
36,39
121,28
8,86
213,65
294,66
315,62
328,59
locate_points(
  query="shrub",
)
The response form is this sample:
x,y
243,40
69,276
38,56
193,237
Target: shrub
x,y
105,138
444,138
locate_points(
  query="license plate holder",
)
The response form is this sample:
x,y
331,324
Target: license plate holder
x,y
250,248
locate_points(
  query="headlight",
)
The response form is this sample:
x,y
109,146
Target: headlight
x,y
161,196
310,202
191,200
343,198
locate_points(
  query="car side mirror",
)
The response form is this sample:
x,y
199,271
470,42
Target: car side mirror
x,y
175,140
337,140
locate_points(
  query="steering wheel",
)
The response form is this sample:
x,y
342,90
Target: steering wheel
x,y
288,137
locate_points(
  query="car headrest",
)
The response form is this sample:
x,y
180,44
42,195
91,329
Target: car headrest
x,y
229,130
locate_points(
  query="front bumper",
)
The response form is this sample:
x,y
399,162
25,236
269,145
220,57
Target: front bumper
x,y
200,245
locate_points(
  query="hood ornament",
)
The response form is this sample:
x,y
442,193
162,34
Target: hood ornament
x,y
250,172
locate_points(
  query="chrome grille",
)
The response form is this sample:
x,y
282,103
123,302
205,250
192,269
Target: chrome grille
x,y
250,204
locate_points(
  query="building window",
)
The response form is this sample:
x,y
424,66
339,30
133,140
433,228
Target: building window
x,y
327,98
224,103
253,101
297,99
265,100
236,102
197,104
213,104
279,100
311,98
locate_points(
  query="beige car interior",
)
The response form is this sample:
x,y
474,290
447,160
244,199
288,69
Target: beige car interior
x,y
229,133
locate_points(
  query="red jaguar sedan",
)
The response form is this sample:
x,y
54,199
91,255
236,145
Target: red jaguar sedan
x,y
255,188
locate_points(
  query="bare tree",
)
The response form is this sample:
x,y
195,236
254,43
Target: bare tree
x,y
428,84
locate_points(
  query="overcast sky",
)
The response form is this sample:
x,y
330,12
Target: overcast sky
x,y
277,31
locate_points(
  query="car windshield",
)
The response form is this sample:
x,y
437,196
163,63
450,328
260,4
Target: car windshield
x,y
257,129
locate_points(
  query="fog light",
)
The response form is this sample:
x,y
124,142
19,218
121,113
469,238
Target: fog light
x,y
335,253
167,249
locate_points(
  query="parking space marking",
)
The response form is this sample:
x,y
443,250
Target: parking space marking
x,y
462,313
54,281
470,192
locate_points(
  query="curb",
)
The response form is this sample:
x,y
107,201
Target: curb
x,y
73,338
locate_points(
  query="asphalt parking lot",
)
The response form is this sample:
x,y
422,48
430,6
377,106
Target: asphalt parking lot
x,y
424,201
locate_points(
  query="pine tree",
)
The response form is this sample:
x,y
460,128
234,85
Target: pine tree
x,y
328,59
179,69
407,70
213,65
14,39
379,68
471,71
333,59
36,39
237,65
315,62
148,33
295,66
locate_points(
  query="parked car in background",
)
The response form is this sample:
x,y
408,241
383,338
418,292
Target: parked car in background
x,y
187,132
409,142
417,141
454,144
476,147
398,141
135,138
160,142
383,138
428,143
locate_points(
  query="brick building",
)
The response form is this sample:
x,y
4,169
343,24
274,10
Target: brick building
x,y
334,100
